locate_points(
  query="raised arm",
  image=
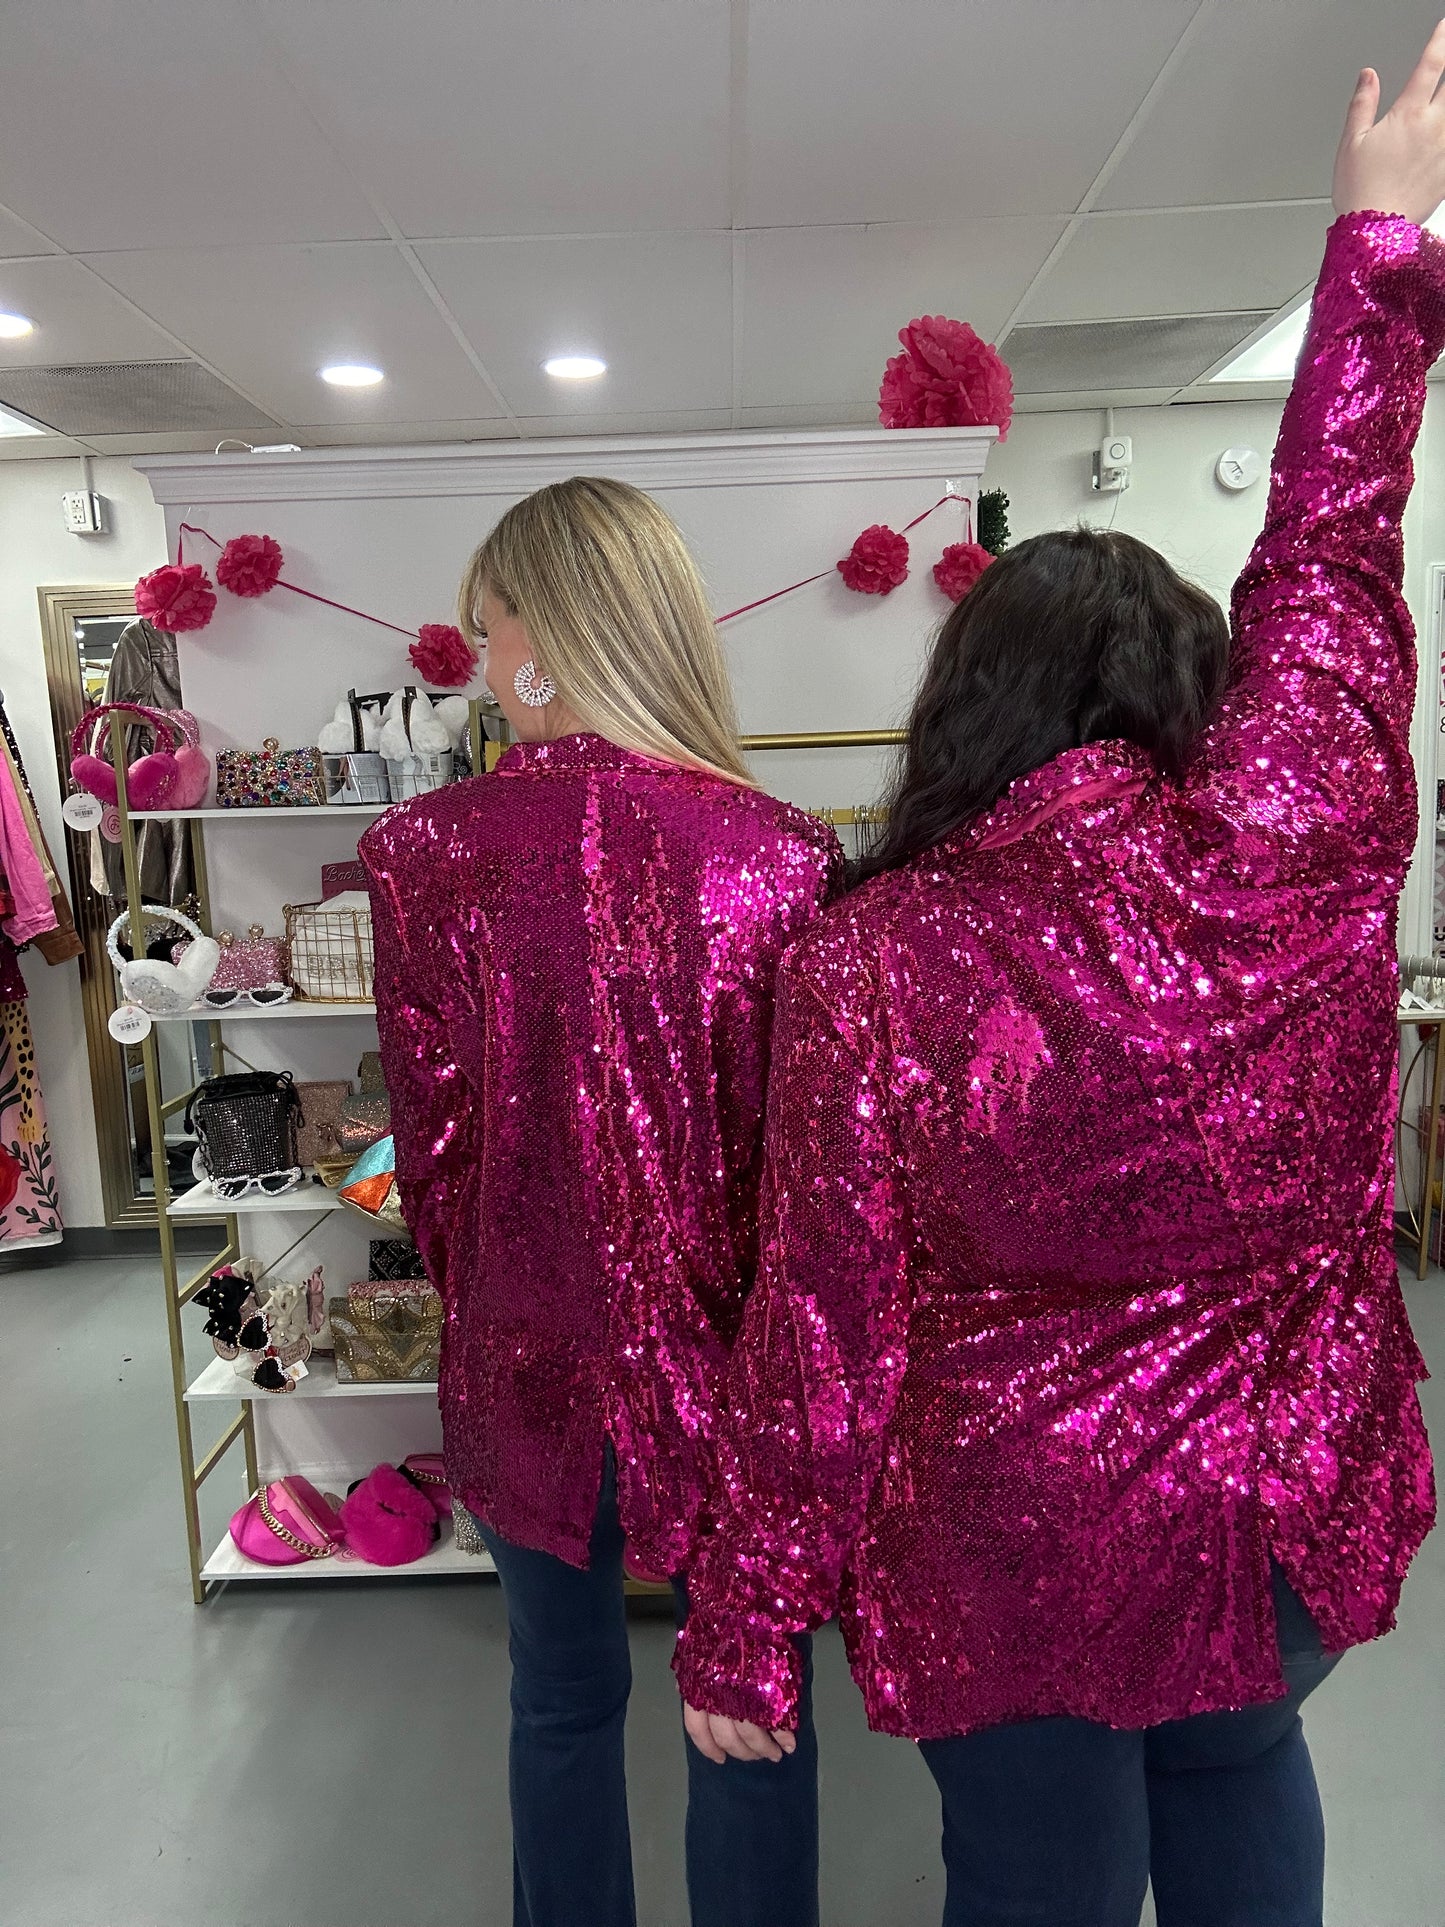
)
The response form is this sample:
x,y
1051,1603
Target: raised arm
x,y
430,1099
1312,745
817,1367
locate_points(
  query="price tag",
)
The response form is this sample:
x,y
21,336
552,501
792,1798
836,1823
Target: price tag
x,y
128,1024
82,811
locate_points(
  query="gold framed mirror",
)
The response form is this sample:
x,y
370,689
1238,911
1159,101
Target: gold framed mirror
x,y
81,626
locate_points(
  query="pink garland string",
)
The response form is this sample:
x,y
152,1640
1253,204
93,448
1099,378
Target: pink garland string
x,y
190,528
762,600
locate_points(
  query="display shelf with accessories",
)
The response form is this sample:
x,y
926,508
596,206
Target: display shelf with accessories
x,y
323,812
202,1201
219,1381
266,1013
446,1560
283,1374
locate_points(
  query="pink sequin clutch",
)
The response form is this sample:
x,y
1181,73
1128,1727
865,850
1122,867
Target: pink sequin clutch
x,y
255,968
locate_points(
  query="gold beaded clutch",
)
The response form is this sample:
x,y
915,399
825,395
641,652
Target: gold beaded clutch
x,y
387,1332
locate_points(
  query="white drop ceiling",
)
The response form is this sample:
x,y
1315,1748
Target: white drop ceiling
x,y
735,202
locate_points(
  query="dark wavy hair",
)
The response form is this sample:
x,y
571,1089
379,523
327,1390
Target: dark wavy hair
x,y
1073,637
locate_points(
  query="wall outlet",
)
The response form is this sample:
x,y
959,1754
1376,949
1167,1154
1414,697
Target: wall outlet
x,y
84,511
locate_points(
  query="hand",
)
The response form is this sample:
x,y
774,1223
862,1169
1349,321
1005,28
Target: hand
x,y
717,1738
1395,165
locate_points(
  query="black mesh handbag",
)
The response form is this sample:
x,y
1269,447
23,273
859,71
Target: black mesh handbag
x,y
246,1128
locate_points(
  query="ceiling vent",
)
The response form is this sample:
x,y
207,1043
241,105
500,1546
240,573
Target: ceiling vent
x,y
1073,357
129,398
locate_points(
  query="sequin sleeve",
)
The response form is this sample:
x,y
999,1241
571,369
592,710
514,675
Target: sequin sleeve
x,y
817,1369
430,1112
1309,757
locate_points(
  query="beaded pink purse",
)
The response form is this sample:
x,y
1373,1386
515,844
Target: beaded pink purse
x,y
254,970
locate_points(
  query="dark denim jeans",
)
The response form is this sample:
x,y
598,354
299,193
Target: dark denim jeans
x,y
1062,1822
752,1830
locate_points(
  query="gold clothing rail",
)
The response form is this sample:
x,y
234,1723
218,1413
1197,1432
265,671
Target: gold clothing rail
x,y
828,739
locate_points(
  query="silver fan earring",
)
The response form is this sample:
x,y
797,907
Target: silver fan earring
x,y
535,691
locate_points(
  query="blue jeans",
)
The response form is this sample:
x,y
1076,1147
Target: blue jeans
x,y
752,1829
1063,1823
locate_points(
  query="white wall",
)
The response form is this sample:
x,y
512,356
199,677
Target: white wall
x,y
37,551
1175,503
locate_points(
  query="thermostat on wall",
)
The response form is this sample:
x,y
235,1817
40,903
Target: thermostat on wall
x,y
1239,468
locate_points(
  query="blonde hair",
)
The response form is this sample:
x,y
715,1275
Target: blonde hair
x,y
617,615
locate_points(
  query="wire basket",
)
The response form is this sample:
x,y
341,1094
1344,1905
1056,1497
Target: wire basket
x,y
332,955
415,774
357,776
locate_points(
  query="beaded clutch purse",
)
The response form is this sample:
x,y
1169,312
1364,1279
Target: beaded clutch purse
x,y
270,778
387,1332
364,1119
319,1126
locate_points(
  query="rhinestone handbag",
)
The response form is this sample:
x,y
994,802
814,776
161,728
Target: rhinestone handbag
x,y
270,778
364,1119
318,1128
393,1258
245,1126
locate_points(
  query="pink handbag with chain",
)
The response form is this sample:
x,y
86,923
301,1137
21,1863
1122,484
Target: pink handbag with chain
x,y
287,1523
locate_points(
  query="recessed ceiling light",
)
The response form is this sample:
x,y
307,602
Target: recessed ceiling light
x,y
574,367
12,326
351,374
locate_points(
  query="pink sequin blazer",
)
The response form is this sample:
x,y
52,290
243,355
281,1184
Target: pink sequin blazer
x,y
1078,1298
575,964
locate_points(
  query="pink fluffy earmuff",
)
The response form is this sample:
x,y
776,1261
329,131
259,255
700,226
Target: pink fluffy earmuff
x,y
167,775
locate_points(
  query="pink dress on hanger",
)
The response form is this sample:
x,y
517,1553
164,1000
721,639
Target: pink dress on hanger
x,y
1078,1298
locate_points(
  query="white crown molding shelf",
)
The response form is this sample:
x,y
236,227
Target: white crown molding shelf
x,y
220,1380
510,469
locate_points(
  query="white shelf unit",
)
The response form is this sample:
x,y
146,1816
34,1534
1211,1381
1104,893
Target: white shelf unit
x,y
219,1380
267,1013
329,811
322,1423
201,1202
444,1561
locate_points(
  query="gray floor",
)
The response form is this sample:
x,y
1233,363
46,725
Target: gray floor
x,y
334,1756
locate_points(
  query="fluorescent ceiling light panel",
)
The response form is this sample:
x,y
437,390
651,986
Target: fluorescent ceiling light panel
x,y
12,424
1272,356
574,367
13,326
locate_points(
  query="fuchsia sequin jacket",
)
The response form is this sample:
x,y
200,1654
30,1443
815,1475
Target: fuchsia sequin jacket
x,y
1078,1297
575,962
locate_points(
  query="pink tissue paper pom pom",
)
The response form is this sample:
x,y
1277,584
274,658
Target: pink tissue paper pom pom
x,y
176,597
946,377
877,561
959,567
249,565
442,656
